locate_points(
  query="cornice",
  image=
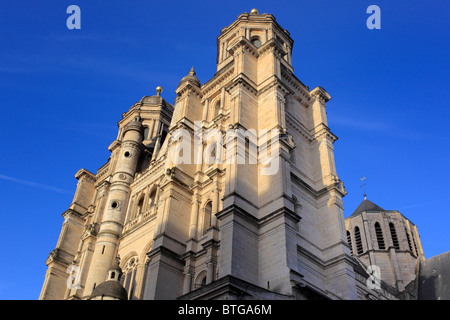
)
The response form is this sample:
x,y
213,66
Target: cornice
x,y
338,186
165,251
83,173
245,18
321,94
245,45
150,101
275,83
297,86
322,130
150,171
234,209
220,77
56,256
188,88
272,45
242,80
299,127
114,145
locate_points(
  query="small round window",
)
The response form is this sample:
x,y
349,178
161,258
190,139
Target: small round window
x,y
256,42
114,204
127,154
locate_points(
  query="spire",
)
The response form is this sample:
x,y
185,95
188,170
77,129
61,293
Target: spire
x,y
367,205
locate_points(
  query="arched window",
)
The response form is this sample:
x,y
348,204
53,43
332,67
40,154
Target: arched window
x,y
129,276
140,206
207,217
256,42
152,198
358,242
216,109
200,281
146,133
349,240
414,242
394,236
380,238
211,154
163,136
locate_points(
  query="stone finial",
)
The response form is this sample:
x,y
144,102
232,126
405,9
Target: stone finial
x,y
191,77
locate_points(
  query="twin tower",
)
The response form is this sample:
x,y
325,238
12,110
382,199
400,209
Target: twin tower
x,y
146,226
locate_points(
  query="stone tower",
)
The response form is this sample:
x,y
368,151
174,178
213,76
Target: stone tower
x,y
386,239
232,193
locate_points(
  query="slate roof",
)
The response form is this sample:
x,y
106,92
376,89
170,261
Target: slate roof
x,y
367,205
110,288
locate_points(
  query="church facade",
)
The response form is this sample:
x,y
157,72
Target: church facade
x,y
230,193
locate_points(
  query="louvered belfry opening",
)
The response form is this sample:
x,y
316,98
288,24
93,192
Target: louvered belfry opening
x,y
359,247
349,240
394,236
409,240
380,238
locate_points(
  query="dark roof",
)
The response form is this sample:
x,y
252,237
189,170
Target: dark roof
x,y
434,278
367,205
110,288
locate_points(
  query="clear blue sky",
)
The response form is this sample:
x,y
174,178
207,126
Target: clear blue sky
x,y
63,91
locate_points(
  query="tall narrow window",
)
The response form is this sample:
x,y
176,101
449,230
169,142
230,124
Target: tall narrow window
x,y
380,238
207,217
296,204
140,206
247,150
152,198
129,277
163,136
394,236
212,156
358,242
146,133
414,242
216,109
409,240
349,240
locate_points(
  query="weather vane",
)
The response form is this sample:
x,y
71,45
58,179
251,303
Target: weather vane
x,y
362,186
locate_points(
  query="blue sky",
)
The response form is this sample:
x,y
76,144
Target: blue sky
x,y
63,91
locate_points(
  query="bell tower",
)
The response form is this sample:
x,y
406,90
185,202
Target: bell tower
x,y
254,31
